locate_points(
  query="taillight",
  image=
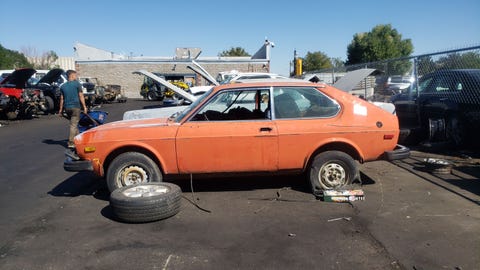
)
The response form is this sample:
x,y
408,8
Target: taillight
x,y
388,136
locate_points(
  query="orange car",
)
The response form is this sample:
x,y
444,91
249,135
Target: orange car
x,y
246,127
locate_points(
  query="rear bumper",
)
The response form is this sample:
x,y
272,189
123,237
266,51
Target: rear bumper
x,y
400,152
73,163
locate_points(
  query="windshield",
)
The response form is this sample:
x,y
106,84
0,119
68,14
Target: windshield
x,y
180,115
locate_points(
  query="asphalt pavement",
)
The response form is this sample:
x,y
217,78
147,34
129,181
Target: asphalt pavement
x,y
410,219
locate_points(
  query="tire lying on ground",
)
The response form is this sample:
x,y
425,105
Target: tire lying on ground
x,y
146,202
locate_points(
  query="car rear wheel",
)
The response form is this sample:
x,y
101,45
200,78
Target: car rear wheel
x,y
132,168
146,202
332,170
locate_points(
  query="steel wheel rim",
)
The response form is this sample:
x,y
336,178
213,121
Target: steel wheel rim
x,y
332,175
145,191
132,175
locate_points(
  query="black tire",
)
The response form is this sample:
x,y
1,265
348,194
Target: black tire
x,y
332,170
455,133
151,96
132,168
146,202
12,115
49,105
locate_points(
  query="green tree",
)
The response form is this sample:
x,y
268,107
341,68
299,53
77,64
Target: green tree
x,y
381,43
316,61
237,51
425,65
459,60
10,59
46,61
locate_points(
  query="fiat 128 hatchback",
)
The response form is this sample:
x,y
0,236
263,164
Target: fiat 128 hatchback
x,y
274,127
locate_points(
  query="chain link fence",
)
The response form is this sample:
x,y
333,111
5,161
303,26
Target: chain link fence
x,y
436,96
399,75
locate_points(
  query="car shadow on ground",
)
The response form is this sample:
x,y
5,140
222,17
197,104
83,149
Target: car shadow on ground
x,y
55,142
87,184
80,184
240,183
153,106
464,177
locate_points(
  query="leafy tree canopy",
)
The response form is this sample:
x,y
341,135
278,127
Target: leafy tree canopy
x,y
10,59
316,61
381,43
234,51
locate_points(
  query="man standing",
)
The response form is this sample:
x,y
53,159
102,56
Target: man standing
x,y
73,101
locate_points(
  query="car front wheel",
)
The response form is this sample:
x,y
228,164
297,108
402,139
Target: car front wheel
x,y
151,96
332,170
132,168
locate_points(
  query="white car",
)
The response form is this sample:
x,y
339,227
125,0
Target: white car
x,y
250,76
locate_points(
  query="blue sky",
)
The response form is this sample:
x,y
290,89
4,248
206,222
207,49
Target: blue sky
x,y
156,28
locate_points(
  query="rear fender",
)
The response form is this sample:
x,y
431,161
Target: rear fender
x,y
345,146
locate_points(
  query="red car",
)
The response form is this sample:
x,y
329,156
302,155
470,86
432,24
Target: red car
x,y
17,100
15,83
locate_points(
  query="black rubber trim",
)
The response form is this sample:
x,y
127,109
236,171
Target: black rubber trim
x,y
400,152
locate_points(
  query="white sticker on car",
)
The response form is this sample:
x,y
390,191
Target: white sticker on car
x,y
359,110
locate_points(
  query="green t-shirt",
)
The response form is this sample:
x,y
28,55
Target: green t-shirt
x,y
70,92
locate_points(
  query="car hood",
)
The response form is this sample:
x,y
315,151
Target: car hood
x,y
130,124
168,85
348,82
18,78
200,70
51,76
163,112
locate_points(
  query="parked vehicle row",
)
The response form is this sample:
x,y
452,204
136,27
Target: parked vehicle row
x,y
19,99
23,95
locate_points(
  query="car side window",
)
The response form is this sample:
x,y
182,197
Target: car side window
x,y
303,102
251,104
445,83
423,85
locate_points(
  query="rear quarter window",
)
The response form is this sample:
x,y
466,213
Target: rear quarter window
x,y
303,102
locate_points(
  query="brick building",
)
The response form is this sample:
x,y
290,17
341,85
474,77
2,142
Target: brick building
x,y
111,68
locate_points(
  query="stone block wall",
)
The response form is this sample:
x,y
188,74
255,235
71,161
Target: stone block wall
x,y
120,72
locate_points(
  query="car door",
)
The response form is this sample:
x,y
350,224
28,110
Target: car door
x,y
305,117
439,96
232,132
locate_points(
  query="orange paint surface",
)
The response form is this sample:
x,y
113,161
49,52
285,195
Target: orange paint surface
x,y
252,145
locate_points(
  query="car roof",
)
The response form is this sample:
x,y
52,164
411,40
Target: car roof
x,y
267,83
267,80
458,71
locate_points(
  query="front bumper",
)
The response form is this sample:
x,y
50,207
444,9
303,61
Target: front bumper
x,y
73,163
400,152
